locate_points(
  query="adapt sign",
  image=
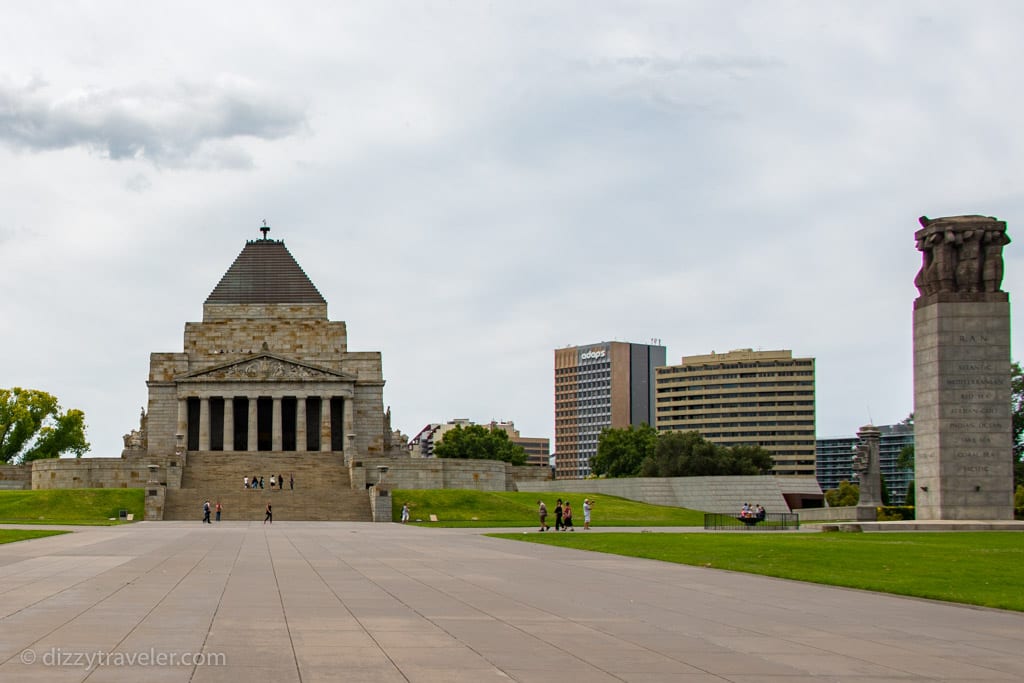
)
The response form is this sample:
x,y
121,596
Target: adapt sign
x,y
593,354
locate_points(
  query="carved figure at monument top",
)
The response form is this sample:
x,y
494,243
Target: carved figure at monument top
x,y
961,257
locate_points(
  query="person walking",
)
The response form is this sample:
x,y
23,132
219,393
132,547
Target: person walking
x,y
405,513
567,517
291,481
245,482
218,508
272,479
206,512
280,482
558,515
270,514
261,482
587,506
542,512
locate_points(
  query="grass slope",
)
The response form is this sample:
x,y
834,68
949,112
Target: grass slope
x,y
69,506
519,509
12,535
976,568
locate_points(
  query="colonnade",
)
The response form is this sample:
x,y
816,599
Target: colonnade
x,y
264,423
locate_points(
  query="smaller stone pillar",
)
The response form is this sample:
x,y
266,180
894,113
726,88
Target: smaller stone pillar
x,y
300,424
325,423
869,476
253,436
277,428
204,423
229,423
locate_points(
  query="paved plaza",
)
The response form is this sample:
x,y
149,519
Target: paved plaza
x,y
333,601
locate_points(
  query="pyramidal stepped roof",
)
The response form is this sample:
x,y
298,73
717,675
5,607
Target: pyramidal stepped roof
x,y
265,273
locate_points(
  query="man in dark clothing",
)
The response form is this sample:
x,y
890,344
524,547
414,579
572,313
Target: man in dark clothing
x,y
558,515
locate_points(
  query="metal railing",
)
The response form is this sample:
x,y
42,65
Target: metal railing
x,y
773,521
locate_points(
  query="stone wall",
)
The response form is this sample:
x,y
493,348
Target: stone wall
x,y
15,477
708,494
441,473
103,473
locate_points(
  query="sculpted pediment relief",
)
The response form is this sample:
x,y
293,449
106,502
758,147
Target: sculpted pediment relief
x,y
268,368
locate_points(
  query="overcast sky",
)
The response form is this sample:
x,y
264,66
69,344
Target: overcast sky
x,y
472,185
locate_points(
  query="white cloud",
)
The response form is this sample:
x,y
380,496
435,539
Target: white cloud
x,y
163,125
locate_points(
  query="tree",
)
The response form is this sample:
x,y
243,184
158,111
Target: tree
x,y
621,452
905,460
846,495
33,427
911,493
1017,405
688,454
476,442
884,489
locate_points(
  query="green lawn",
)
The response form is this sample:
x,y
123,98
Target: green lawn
x,y
976,568
12,535
517,509
69,506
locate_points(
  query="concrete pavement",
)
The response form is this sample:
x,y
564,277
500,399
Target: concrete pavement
x,y
329,601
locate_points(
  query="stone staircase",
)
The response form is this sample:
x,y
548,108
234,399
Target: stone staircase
x,y
322,491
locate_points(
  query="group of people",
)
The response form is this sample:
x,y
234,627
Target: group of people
x,y
206,511
563,515
749,511
275,482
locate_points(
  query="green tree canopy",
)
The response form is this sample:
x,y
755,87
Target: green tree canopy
x,y
621,452
1017,401
476,442
845,496
688,454
33,427
644,451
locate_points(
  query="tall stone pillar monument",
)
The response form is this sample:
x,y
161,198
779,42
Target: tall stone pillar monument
x,y
962,413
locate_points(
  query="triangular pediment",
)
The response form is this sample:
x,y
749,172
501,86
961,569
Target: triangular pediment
x,y
267,367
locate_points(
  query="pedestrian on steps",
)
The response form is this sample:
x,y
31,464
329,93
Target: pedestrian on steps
x,y
270,514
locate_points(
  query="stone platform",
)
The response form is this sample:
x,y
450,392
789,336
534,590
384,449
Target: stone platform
x,y
358,602
919,525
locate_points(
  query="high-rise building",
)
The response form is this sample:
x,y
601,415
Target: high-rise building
x,y
607,384
760,398
835,460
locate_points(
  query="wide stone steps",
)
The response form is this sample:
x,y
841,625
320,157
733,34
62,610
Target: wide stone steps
x,y
322,487
301,504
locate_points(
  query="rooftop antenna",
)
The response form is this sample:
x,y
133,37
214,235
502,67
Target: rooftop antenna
x,y
265,229
870,421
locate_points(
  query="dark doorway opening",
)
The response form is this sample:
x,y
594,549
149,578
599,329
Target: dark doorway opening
x,y
241,412
313,424
264,423
193,424
288,407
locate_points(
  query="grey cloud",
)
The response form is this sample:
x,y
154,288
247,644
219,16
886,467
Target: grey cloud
x,y
166,126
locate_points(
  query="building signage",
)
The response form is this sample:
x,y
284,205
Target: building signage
x,y
592,354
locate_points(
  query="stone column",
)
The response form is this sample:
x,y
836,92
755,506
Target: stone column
x,y
325,423
348,425
963,438
277,430
204,423
229,423
300,424
182,420
253,431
